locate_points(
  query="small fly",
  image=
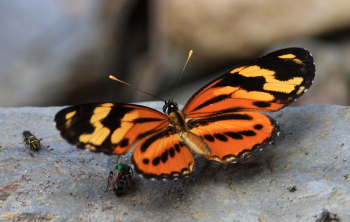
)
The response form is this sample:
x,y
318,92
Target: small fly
x,y
120,178
31,141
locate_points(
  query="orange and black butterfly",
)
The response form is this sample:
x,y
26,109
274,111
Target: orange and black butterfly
x,y
219,122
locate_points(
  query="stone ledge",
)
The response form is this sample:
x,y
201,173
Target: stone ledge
x,y
68,184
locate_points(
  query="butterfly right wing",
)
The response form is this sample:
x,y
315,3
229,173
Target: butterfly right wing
x,y
265,84
111,128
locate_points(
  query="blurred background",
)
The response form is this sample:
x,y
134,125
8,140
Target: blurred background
x,y
61,52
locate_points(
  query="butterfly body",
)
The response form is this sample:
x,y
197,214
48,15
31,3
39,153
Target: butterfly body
x,y
220,121
182,127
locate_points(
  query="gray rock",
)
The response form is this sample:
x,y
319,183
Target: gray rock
x,y
68,184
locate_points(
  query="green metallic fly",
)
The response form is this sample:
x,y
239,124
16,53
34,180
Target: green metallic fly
x,y
120,178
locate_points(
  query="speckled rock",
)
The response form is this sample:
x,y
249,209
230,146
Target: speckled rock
x,y
306,172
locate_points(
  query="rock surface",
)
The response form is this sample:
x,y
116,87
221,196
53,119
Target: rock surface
x,y
68,184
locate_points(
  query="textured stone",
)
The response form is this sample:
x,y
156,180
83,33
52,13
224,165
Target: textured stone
x,y
68,184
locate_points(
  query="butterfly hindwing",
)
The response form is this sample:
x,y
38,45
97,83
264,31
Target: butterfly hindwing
x,y
163,155
235,135
265,84
112,128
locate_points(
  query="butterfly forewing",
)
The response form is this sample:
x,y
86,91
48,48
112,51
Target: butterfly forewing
x,y
111,128
265,84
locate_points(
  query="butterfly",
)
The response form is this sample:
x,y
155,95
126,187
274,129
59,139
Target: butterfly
x,y
119,179
221,121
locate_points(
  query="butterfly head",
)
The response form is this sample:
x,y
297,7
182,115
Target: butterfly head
x,y
170,106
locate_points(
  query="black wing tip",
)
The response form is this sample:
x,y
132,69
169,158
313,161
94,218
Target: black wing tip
x,y
69,136
307,69
293,49
304,53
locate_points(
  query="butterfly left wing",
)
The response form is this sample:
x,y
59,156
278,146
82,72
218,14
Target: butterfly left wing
x,y
115,128
163,155
267,84
111,128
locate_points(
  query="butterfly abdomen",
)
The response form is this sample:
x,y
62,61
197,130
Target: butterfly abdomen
x,y
196,143
181,127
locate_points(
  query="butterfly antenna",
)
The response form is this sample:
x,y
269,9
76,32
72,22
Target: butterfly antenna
x,y
189,56
116,79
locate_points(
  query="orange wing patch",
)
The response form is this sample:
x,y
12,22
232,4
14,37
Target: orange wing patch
x,y
235,135
163,155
